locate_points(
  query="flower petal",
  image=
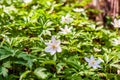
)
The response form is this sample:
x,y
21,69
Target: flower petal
x,y
87,59
48,44
97,65
53,52
66,27
92,58
48,49
94,67
61,29
98,61
59,49
67,16
53,39
58,42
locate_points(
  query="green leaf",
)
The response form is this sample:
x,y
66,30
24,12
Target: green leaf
x,y
4,71
4,56
24,56
49,62
30,63
116,66
7,64
41,73
23,75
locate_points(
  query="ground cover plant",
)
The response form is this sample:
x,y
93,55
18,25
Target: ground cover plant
x,y
56,40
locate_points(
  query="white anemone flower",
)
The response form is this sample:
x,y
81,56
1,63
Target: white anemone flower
x,y
78,10
93,63
53,46
116,23
9,9
116,41
97,50
66,19
118,71
27,1
65,30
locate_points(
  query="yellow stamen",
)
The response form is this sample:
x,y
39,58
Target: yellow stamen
x,y
53,46
93,62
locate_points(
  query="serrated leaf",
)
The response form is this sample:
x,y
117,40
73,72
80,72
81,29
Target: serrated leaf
x,y
7,64
4,71
23,75
41,73
115,65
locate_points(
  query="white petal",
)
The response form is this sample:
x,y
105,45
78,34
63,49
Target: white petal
x,y
90,64
71,19
92,58
87,59
27,1
53,52
98,61
47,49
53,39
115,20
66,27
61,29
97,65
94,67
76,9
48,44
62,19
63,32
58,42
59,49
119,23
118,20
67,16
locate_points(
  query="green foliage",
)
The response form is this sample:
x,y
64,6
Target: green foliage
x,y
26,27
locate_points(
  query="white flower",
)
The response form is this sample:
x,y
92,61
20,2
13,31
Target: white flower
x,y
65,30
1,6
9,9
96,49
78,10
116,23
66,19
93,63
53,46
118,71
27,1
116,41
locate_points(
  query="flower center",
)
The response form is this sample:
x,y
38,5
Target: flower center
x,y
53,46
66,30
66,19
93,62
